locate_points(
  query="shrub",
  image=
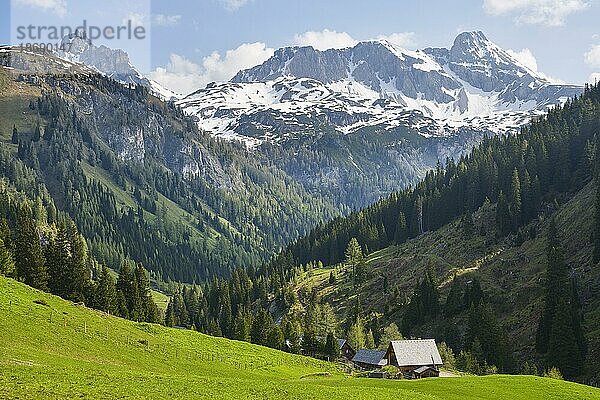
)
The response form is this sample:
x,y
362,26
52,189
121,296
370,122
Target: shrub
x,y
447,355
529,368
390,369
553,373
467,362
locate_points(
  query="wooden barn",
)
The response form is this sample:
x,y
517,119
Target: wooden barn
x,y
346,350
425,372
415,358
366,359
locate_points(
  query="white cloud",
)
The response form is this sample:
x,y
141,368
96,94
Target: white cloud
x,y
184,76
592,57
136,19
59,7
234,5
328,39
166,20
325,39
594,77
543,12
526,58
247,55
180,75
402,39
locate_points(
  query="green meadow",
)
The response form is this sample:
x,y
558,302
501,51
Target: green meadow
x,y
54,349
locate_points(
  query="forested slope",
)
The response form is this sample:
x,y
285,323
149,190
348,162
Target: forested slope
x,y
140,180
496,253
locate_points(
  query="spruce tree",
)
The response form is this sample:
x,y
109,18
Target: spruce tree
x,y
355,260
7,265
503,218
563,350
29,257
369,340
515,199
423,305
128,286
356,335
37,133
401,233
473,294
468,226
58,253
293,333
526,197
596,226
332,350
418,216
15,135
77,272
275,339
454,301
148,310
241,327
170,319
121,306
106,295
331,278
487,338
560,333
555,284
261,326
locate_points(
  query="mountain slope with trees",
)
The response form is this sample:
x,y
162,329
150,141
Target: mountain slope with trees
x,y
140,180
474,245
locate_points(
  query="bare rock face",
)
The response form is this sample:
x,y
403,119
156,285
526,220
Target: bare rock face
x,y
111,62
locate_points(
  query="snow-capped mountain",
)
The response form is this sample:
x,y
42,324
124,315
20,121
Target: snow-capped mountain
x,y
115,63
377,85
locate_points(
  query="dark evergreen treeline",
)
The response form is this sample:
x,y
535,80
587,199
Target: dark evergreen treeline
x,y
560,335
553,155
235,308
596,229
45,250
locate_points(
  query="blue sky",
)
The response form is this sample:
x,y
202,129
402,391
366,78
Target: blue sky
x,y
193,42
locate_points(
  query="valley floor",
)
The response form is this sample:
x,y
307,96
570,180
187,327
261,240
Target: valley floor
x,y
51,348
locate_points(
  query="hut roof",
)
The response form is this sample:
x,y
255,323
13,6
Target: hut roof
x,y
416,352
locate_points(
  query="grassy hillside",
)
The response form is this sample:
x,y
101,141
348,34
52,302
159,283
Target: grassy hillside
x,y
510,274
50,348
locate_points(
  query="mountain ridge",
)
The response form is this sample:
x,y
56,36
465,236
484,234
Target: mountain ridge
x,y
474,83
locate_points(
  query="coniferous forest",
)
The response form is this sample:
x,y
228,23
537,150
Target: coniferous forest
x,y
551,157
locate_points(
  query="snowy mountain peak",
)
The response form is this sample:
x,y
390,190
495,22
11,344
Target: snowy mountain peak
x,y
471,40
111,62
474,83
476,49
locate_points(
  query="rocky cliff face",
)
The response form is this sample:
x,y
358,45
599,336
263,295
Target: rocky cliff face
x,y
111,62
